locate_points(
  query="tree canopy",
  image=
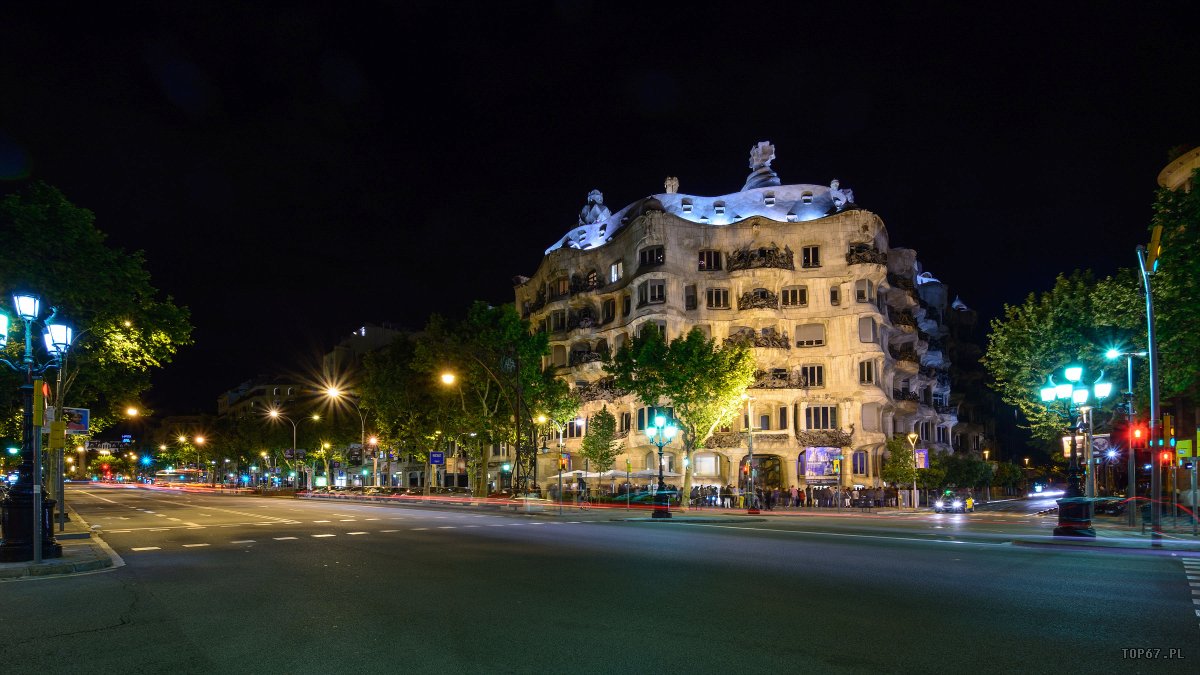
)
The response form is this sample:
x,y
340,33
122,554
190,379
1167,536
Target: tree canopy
x,y
123,329
704,382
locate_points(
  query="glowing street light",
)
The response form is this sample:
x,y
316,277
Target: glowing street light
x,y
661,433
1074,510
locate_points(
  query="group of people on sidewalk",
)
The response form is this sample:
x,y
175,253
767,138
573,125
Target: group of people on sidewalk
x,y
731,496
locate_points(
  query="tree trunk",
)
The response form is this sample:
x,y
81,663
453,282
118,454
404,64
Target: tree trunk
x,y
685,490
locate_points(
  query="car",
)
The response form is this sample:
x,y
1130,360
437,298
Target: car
x,y
952,503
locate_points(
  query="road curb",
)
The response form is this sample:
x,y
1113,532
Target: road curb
x,y
97,556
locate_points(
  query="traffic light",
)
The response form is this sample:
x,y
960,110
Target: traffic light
x,y
562,463
1154,250
746,469
1139,436
837,466
1166,457
1168,430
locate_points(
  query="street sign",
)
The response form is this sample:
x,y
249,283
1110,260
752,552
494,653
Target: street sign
x,y
1184,448
437,458
288,454
922,458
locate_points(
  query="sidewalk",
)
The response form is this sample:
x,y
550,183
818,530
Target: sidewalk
x,y
82,553
1114,535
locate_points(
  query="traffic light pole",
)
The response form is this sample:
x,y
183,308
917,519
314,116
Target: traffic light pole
x,y
1152,356
1131,477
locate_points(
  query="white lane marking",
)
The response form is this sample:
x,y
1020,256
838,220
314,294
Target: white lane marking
x,y
194,545
357,533
324,535
243,541
175,519
103,499
419,528
320,521
389,530
843,534
466,526
145,548
446,527
115,531
371,519
536,523
571,522
496,525
283,538
347,520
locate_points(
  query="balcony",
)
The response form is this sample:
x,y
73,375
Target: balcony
x,y
760,299
767,256
860,254
769,339
579,358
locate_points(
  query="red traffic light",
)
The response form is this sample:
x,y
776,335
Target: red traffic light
x,y
1165,457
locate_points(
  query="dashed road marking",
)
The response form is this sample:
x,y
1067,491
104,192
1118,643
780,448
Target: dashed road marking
x,y
389,530
347,520
357,533
243,541
318,536
145,548
419,528
447,527
321,521
283,538
194,545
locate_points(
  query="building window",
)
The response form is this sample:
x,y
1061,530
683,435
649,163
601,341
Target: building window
x,y
710,261
652,292
560,287
575,428
806,197
689,297
616,271
687,205
835,296
810,335
706,465
820,417
769,198
859,460
717,298
810,256
795,296
719,208
608,310
651,256
812,376
864,290
660,326
593,279
866,329
782,417
760,294
625,307
558,320
866,372
625,420
943,435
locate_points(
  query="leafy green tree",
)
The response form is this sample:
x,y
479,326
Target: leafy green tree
x,y
600,445
123,329
1177,290
1007,476
1045,333
934,477
899,467
704,382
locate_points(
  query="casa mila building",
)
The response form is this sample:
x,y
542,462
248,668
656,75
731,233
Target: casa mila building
x,y
848,333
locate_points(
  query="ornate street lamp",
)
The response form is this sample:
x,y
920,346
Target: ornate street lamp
x,y
1074,510
660,434
26,517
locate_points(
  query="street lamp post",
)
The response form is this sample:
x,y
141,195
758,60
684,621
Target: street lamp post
x,y
337,394
25,518
912,442
1131,460
1074,510
277,414
660,434
752,495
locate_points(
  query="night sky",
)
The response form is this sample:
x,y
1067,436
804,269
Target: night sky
x,y
293,173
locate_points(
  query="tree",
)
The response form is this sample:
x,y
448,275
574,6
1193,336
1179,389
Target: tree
x,y
600,446
1007,476
1037,338
899,467
934,477
123,330
704,382
1176,288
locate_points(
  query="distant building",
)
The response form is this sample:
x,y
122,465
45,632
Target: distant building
x,y
849,333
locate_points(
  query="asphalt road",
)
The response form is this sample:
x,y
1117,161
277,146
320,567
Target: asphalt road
x,y
242,584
